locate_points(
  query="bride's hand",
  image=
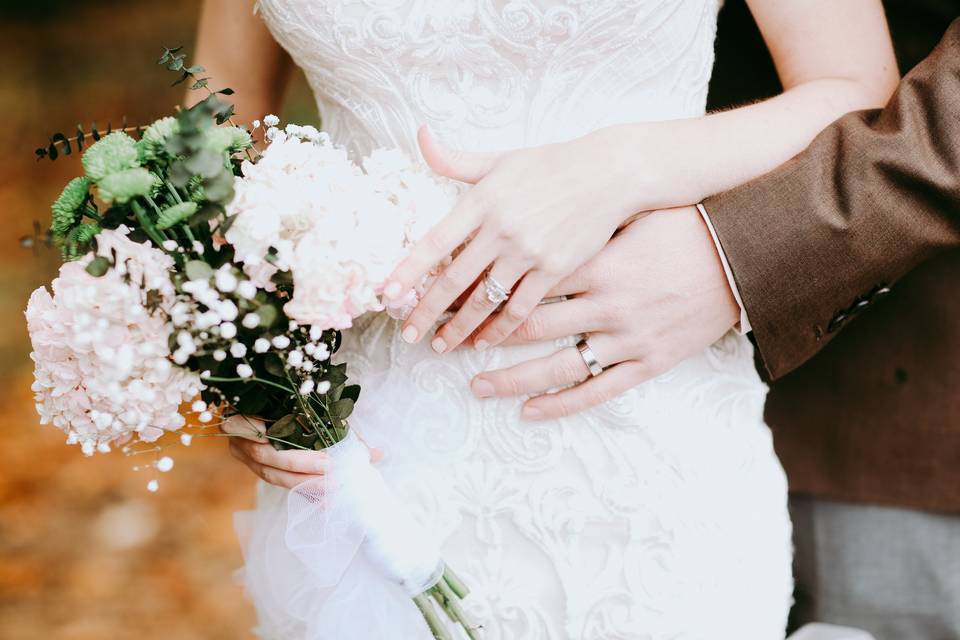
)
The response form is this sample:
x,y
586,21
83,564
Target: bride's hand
x,y
533,217
282,468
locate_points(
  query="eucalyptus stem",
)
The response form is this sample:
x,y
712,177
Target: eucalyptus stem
x,y
307,412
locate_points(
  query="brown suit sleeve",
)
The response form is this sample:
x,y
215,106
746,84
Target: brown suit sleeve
x,y
813,243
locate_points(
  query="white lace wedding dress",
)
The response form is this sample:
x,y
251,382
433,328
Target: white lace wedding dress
x,y
659,515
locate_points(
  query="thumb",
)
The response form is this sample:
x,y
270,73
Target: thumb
x,y
464,166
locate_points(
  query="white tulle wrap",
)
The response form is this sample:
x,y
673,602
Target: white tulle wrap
x,y
338,558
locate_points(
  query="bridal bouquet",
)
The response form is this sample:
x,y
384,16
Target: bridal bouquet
x,y
204,275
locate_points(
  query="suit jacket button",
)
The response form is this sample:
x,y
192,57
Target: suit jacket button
x,y
860,306
882,291
838,320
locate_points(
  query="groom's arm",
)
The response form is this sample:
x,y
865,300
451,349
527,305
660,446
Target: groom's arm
x,y
818,240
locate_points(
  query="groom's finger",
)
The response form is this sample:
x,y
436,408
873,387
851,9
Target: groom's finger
x,y
591,393
559,320
563,368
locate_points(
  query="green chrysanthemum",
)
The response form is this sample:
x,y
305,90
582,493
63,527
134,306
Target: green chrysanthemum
x,y
228,139
111,154
122,186
195,189
68,208
77,242
155,137
176,214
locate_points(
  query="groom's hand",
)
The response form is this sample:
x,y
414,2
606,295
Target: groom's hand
x,y
655,295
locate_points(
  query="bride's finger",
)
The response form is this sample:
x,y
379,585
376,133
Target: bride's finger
x,y
269,474
293,460
559,320
563,368
245,426
518,309
436,245
477,307
590,393
455,279
452,163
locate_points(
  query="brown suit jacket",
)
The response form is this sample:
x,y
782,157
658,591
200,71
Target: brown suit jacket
x,y
848,262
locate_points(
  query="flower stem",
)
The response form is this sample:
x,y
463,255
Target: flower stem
x,y
254,379
457,613
456,584
436,627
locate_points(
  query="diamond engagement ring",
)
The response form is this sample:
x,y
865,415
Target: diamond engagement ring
x,y
496,292
589,358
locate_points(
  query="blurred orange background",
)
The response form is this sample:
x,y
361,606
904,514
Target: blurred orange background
x,y
86,552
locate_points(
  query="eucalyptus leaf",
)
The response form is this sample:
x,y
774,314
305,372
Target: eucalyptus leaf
x,y
274,365
268,315
284,427
198,270
342,408
98,267
206,163
220,187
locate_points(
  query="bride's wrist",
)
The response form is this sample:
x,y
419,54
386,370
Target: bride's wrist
x,y
634,177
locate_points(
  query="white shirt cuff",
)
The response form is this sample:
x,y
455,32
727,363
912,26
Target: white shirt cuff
x,y
744,324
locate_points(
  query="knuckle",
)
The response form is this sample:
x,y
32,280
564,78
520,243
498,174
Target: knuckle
x,y
562,406
257,454
451,282
514,314
554,264
595,396
565,372
531,329
268,474
435,243
479,303
511,385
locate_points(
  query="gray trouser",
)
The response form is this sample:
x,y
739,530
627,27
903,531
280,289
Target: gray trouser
x,y
892,572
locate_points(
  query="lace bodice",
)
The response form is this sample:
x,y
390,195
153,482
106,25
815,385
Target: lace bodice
x,y
660,515
495,74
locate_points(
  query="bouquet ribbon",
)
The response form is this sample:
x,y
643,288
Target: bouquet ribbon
x,y
338,557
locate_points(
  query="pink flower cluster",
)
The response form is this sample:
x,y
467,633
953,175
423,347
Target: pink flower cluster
x,y
102,368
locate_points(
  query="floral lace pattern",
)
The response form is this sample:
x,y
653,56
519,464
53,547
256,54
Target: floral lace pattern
x,y
661,514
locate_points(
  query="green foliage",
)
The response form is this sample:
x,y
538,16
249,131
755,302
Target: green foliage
x,y
122,186
99,266
154,139
114,153
67,209
227,140
175,214
79,240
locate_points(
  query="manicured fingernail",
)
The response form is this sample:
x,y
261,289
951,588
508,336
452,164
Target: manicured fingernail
x,y
481,388
392,290
438,344
531,413
480,345
409,334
